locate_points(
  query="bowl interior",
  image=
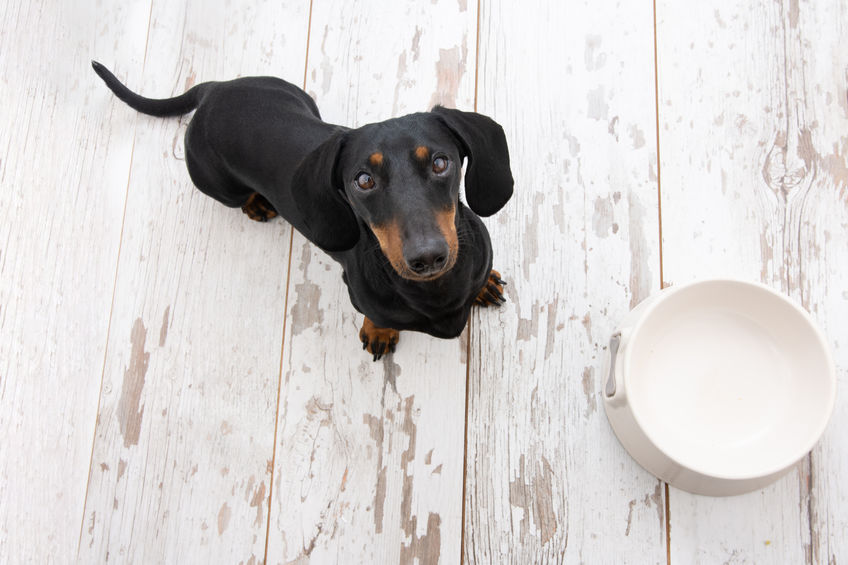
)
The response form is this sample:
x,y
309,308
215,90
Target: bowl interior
x,y
729,379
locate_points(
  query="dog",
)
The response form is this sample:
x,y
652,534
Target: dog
x,y
382,199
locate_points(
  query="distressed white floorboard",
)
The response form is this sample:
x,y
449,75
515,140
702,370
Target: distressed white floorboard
x,y
579,244
752,121
368,465
817,42
181,463
63,172
176,379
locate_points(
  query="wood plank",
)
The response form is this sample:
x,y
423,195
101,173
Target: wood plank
x,y
817,38
368,465
579,245
63,171
752,128
181,463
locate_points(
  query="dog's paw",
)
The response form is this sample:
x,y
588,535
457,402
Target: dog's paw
x,y
376,340
258,208
492,293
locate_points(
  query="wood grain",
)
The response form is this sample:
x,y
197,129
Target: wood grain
x,y
752,120
368,465
214,361
181,464
817,43
63,172
578,244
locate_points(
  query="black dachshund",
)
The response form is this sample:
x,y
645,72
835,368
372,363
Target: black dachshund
x,y
382,199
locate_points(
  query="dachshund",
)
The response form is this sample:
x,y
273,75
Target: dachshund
x,y
382,199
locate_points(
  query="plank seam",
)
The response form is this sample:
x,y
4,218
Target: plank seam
x,y
285,327
659,225
112,303
657,114
468,343
106,348
465,445
810,555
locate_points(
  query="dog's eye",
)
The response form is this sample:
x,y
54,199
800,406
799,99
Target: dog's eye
x,y
364,181
440,164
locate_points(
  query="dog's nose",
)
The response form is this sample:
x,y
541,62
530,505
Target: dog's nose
x,y
428,258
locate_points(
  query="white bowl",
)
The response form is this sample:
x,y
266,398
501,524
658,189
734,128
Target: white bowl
x,y
719,387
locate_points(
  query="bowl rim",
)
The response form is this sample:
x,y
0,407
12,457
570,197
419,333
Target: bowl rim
x,y
821,339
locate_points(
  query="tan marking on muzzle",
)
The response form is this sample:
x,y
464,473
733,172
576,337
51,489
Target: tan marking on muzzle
x,y
447,225
392,245
391,242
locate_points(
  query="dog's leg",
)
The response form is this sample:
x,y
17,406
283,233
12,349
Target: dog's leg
x,y
258,208
377,340
492,293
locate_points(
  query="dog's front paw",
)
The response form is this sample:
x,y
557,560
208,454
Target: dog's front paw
x,y
492,292
258,208
376,340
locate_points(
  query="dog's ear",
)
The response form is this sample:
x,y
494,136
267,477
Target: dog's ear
x,y
316,188
488,179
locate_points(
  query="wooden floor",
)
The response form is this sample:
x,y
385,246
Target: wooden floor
x,y
179,384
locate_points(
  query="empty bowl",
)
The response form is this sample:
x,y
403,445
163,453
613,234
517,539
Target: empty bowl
x,y
719,387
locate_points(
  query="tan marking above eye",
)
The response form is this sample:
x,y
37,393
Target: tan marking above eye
x,y
376,159
422,153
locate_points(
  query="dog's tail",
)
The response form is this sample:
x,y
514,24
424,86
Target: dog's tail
x,y
176,106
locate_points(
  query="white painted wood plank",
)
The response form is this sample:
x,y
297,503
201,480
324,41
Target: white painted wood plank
x,y
579,244
181,463
369,461
818,44
752,130
63,174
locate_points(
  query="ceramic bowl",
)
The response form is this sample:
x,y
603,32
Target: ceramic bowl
x,y
719,386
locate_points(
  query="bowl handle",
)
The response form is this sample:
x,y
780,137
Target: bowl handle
x,y
618,342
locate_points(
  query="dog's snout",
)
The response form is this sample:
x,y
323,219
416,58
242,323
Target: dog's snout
x,y
426,259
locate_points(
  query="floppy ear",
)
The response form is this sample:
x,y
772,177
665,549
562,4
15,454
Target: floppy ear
x,y
488,179
329,220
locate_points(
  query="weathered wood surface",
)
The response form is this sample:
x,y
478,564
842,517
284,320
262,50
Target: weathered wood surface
x,y
214,361
180,467
753,119
579,244
369,459
63,174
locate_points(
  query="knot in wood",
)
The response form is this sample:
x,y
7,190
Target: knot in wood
x,y
785,170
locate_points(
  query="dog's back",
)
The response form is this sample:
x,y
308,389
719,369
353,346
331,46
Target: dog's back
x,y
246,133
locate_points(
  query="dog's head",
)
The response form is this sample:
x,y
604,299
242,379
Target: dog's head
x,y
401,178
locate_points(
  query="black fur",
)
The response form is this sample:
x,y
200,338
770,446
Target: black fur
x,y
264,135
